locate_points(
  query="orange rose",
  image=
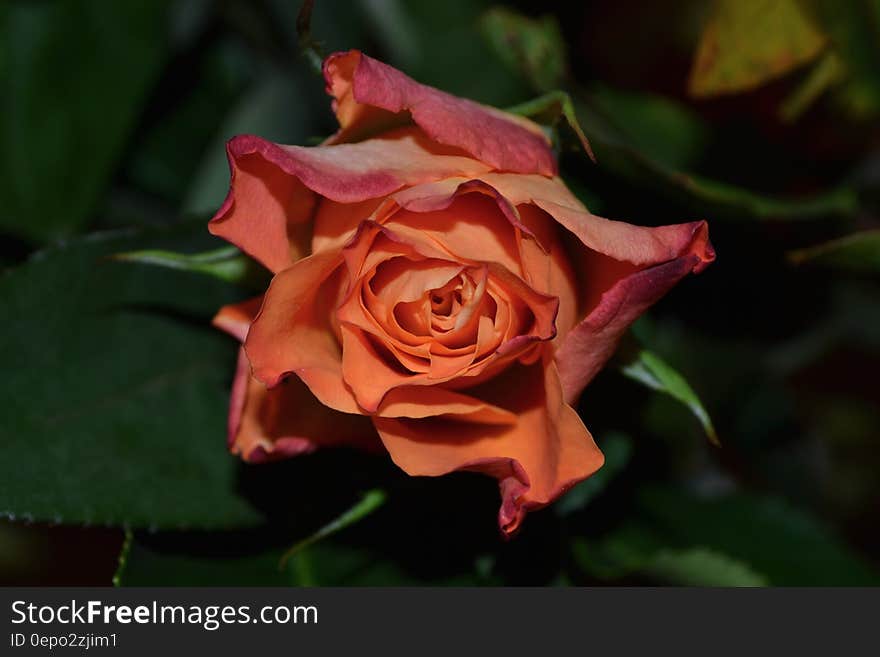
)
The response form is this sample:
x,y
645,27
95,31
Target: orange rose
x,y
438,290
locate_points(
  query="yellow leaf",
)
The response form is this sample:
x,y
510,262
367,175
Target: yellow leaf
x,y
747,43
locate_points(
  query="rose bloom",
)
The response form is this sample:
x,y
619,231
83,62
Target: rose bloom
x,y
438,291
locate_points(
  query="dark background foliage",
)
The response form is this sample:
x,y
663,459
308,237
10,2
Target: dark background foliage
x,y
759,116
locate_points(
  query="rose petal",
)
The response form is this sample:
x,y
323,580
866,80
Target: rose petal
x,y
628,292
374,362
460,213
287,420
547,265
293,334
274,189
353,312
422,402
439,195
542,308
361,85
470,228
336,223
639,245
536,459
401,280
236,318
369,372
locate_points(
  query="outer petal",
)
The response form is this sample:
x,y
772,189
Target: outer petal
x,y
369,96
275,190
546,452
286,420
236,318
293,334
628,292
639,245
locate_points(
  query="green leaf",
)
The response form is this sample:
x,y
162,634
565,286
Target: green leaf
x,y
393,23
552,109
453,27
651,371
369,503
328,565
852,27
616,554
190,561
617,448
164,156
75,75
749,42
623,156
732,201
124,551
701,567
737,539
635,551
276,107
825,74
226,264
533,47
785,544
249,559
116,390
856,252
665,129
309,47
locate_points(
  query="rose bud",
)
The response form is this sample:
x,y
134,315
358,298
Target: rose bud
x,y
438,291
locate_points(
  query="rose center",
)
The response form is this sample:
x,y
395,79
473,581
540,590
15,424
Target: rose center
x,y
446,301
447,304
449,308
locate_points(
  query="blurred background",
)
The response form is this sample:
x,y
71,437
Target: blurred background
x,y
760,116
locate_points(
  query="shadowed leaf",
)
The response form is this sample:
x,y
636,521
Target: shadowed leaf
x,y
553,109
702,567
786,544
674,536
825,73
852,28
620,153
208,560
116,413
630,551
74,77
858,252
309,47
663,128
371,501
533,47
